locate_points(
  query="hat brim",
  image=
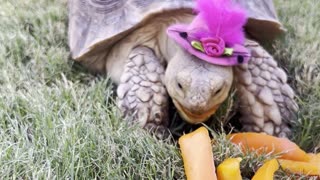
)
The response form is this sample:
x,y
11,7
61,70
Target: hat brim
x,y
240,53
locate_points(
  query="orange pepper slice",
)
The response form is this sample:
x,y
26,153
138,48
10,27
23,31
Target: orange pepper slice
x,y
269,144
229,169
196,151
266,171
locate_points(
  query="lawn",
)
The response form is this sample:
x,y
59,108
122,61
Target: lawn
x,y
59,122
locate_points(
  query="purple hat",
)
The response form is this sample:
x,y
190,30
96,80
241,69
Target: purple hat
x,y
216,34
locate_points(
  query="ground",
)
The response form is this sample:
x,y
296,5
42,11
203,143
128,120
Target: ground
x,y
59,122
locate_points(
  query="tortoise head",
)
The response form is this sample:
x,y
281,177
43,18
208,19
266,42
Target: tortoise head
x,y
196,87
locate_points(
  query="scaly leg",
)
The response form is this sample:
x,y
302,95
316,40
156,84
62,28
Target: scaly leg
x,y
266,100
141,92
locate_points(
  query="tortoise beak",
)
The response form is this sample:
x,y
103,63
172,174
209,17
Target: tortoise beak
x,y
194,118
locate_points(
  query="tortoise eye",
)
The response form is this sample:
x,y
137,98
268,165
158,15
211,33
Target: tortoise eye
x,y
217,92
183,35
240,59
180,86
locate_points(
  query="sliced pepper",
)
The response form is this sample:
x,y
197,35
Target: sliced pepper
x,y
229,169
261,142
314,158
305,168
196,151
266,171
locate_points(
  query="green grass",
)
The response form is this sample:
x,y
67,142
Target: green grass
x,y
59,122
299,53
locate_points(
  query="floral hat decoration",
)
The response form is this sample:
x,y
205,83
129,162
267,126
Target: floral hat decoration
x,y
216,34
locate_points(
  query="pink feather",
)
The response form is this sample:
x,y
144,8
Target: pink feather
x,y
224,19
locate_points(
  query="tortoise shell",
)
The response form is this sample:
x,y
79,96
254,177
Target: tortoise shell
x,y
95,25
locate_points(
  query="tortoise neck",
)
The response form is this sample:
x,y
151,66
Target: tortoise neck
x,y
165,46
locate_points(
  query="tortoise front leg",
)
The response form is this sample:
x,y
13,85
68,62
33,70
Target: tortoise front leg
x,y
266,100
141,92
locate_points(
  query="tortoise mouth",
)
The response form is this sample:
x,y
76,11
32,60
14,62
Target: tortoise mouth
x,y
192,117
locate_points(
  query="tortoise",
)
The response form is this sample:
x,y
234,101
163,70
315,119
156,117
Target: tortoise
x,y
128,41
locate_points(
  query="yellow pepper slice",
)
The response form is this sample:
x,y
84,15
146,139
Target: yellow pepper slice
x,y
196,151
266,171
314,158
229,169
297,167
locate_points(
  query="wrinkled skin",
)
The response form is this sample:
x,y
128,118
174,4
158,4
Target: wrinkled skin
x,y
149,68
197,88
